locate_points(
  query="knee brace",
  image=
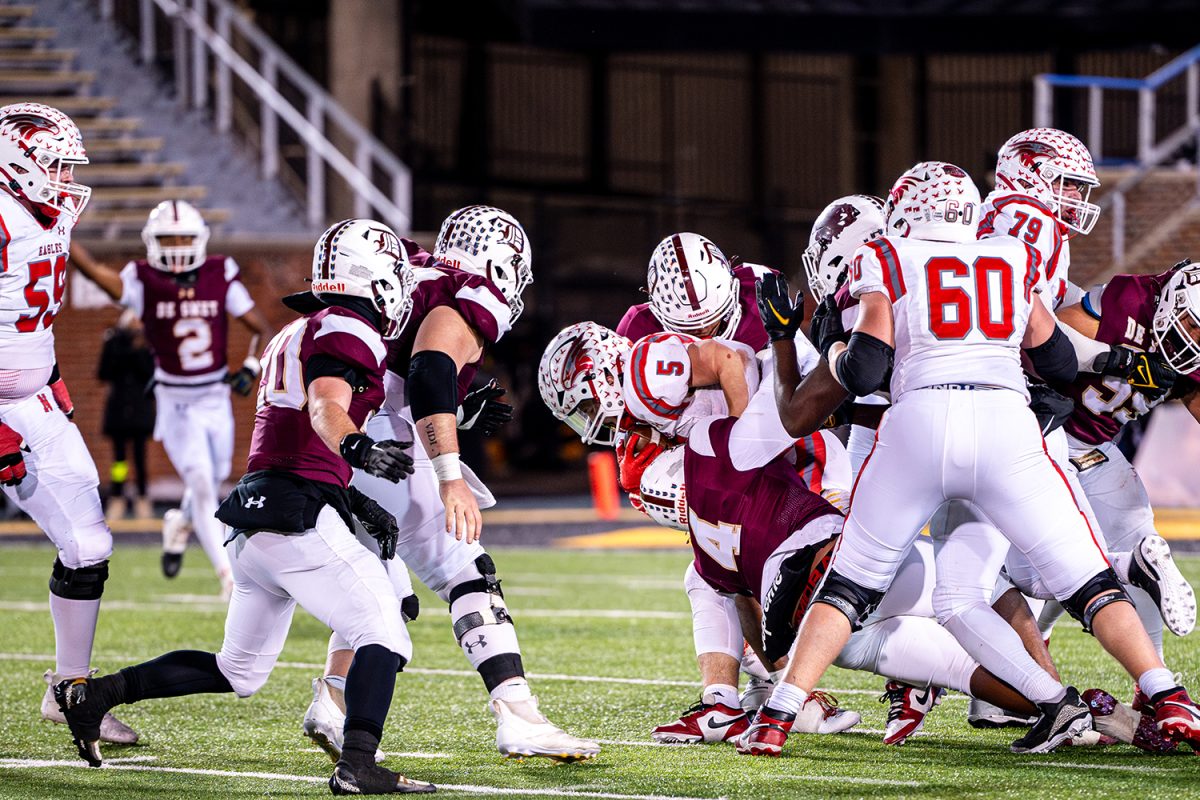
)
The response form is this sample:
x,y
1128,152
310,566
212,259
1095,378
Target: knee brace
x,y
84,583
1101,590
476,605
856,602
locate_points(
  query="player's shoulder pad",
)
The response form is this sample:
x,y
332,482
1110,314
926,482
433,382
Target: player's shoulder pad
x,y
482,305
658,374
341,333
753,272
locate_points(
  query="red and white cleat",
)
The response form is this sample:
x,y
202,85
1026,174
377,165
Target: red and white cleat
x,y
907,710
1177,716
767,733
703,723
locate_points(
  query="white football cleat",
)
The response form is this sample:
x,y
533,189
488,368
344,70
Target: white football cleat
x,y
1153,569
758,691
175,534
523,732
820,714
325,719
112,730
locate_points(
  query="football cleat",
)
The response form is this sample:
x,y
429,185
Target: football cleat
x,y
523,732
373,779
175,533
112,730
703,722
982,714
1177,717
758,691
820,714
1113,718
1060,722
907,708
767,733
325,719
1153,569
84,712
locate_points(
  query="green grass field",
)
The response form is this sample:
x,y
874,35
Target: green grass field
x,y
607,640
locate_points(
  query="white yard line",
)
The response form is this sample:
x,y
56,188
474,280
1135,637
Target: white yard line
x,y
19,763
1113,767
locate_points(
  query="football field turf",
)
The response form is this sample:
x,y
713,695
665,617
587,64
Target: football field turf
x,y
607,640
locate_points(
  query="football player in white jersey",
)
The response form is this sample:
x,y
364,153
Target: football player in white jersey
x,y
184,297
955,314
45,466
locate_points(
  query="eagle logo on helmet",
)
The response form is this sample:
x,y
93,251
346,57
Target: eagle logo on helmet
x,y
1029,152
26,125
953,171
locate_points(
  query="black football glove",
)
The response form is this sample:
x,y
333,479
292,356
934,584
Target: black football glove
x,y
242,381
482,410
377,522
385,459
1149,373
1051,408
826,327
780,316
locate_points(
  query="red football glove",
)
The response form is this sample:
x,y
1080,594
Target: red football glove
x,y
632,462
63,398
12,463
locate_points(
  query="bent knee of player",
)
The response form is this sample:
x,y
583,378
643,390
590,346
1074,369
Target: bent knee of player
x,y
951,601
246,672
84,547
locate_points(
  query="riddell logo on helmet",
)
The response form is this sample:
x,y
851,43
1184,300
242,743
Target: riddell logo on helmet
x,y
333,287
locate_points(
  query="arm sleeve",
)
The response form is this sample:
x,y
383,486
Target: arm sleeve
x,y
323,365
345,338
758,436
132,293
1086,350
866,272
484,309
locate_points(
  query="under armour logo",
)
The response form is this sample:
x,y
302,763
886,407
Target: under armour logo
x,y
258,502
480,642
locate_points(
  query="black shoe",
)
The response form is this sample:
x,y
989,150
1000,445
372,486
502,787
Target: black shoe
x,y
1059,722
171,564
373,779
84,711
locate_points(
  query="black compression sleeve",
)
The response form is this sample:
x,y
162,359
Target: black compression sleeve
x,y
326,366
865,365
1055,359
432,385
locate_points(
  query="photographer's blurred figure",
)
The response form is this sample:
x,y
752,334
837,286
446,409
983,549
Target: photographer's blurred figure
x,y
127,364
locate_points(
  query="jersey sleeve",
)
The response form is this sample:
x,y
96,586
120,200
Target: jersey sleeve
x,y
132,291
876,268
238,301
484,308
758,435
656,382
638,321
345,338
1030,221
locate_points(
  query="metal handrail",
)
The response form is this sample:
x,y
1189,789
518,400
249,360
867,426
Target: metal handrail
x,y
1151,152
368,155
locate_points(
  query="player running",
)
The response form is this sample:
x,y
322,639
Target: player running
x,y
184,298
959,312
45,467
467,295
291,513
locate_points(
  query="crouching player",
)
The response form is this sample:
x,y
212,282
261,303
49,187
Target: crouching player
x,y
292,511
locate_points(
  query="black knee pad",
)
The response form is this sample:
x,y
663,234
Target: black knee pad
x,y
85,583
856,602
1084,604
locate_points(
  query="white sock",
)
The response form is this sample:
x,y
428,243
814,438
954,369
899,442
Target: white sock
x,y
788,698
337,682
513,690
1156,680
721,693
996,646
74,632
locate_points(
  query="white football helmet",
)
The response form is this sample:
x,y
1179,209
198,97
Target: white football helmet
x,y
39,148
1042,163
172,218
664,497
489,242
1176,322
579,378
364,258
845,225
933,200
692,287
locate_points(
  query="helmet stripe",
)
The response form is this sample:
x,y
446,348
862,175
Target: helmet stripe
x,y
685,272
327,251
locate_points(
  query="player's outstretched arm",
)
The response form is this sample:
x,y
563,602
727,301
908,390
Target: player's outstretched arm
x,y
804,406
105,277
444,344
1049,349
717,364
329,411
